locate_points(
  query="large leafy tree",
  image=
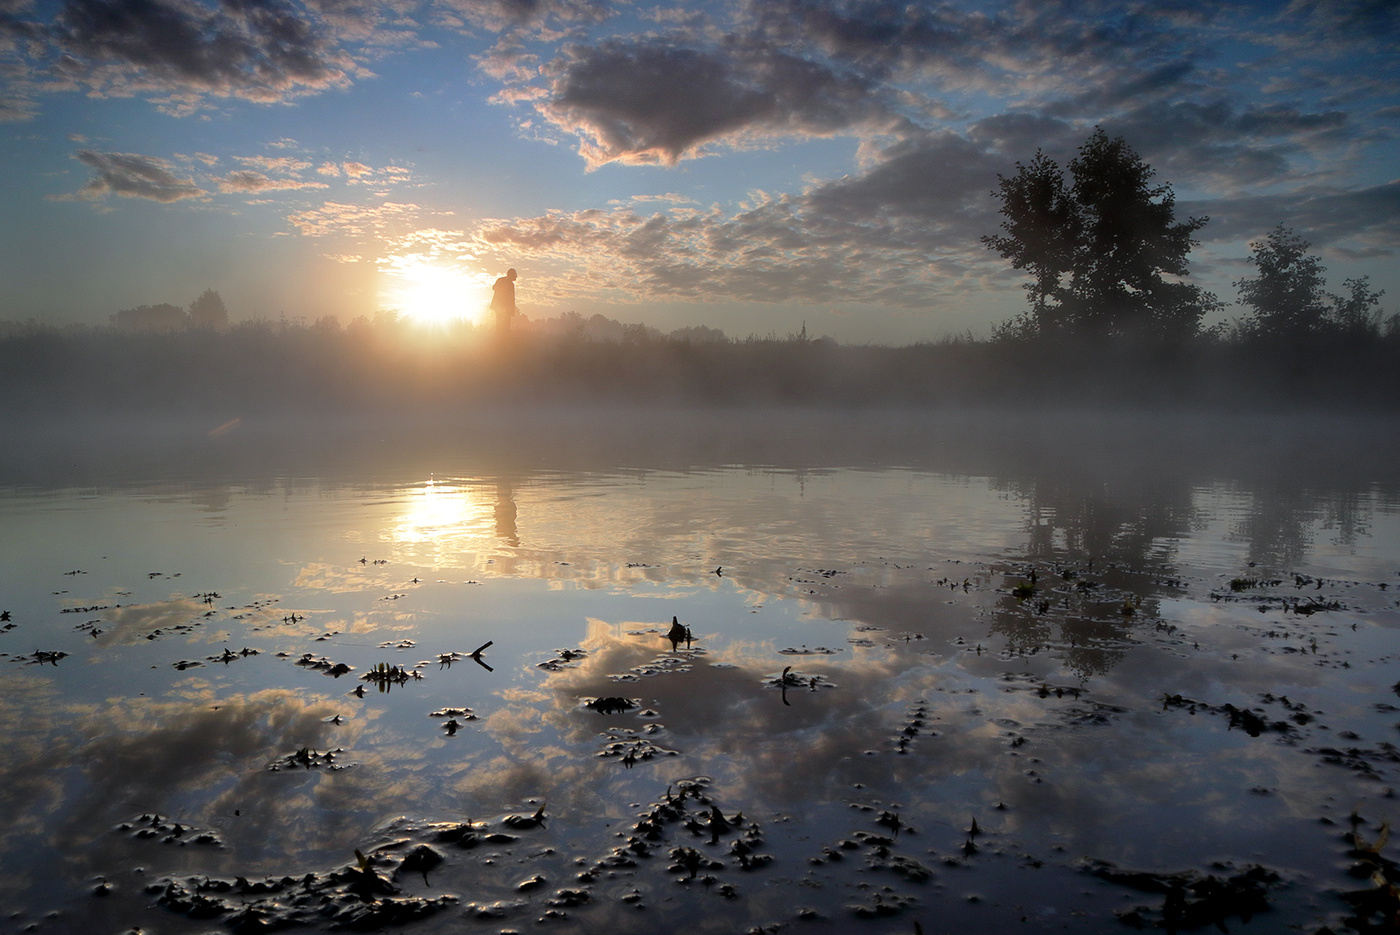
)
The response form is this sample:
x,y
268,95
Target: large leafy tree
x,y
1104,248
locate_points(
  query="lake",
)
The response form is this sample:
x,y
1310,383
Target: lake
x,y
646,671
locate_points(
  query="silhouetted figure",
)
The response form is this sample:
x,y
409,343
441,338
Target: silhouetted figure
x,y
503,302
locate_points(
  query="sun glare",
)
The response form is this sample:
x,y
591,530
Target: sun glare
x,y
444,515
428,293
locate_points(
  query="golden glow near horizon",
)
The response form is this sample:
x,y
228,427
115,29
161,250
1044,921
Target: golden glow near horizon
x,y
430,293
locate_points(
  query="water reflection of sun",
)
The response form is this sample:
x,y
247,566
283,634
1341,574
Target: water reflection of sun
x,y
445,516
426,292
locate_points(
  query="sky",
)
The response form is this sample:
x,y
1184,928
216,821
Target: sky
x,y
754,165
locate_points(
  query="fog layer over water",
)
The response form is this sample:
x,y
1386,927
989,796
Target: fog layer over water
x,y
967,670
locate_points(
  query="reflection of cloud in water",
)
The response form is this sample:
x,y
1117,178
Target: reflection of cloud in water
x,y
728,724
31,788
130,625
340,579
1112,779
199,760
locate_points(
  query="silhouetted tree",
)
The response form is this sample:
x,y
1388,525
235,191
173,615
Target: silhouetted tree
x,y
1099,247
208,311
1289,298
1357,314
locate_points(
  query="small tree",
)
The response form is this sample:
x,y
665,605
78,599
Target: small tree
x,y
1357,314
208,311
1100,247
1289,297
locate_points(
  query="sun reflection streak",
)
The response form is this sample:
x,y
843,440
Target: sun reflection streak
x,y
445,520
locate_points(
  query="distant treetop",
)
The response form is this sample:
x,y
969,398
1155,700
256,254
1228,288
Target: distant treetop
x,y
208,311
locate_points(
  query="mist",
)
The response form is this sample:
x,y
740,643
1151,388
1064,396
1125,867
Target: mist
x,y
264,369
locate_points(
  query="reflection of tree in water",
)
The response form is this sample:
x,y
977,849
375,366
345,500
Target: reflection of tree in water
x,y
1275,527
1098,555
1278,524
1349,514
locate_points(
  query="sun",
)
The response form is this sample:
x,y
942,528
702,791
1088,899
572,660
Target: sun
x,y
430,293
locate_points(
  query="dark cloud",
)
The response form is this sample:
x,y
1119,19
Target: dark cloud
x,y
1343,23
936,179
657,101
1219,145
134,176
1369,216
1018,135
1050,46
902,234
262,50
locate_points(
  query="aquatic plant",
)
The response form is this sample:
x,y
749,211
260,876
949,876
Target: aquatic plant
x,y
385,676
612,705
1191,900
678,634
1377,908
523,822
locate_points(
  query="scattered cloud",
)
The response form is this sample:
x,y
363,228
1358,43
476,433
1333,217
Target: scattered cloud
x,y
505,15
133,176
288,164
903,235
247,181
335,218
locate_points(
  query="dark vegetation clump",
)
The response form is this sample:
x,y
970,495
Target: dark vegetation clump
x,y
1192,900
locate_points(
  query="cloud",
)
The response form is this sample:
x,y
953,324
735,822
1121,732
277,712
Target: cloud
x,y
657,101
134,176
289,164
503,15
1048,48
1337,25
904,232
900,234
1326,217
335,218
248,181
258,50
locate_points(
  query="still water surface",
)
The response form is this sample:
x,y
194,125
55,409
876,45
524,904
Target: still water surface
x,y
960,673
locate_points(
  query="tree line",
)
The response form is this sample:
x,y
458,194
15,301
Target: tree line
x,y
206,311
1107,258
